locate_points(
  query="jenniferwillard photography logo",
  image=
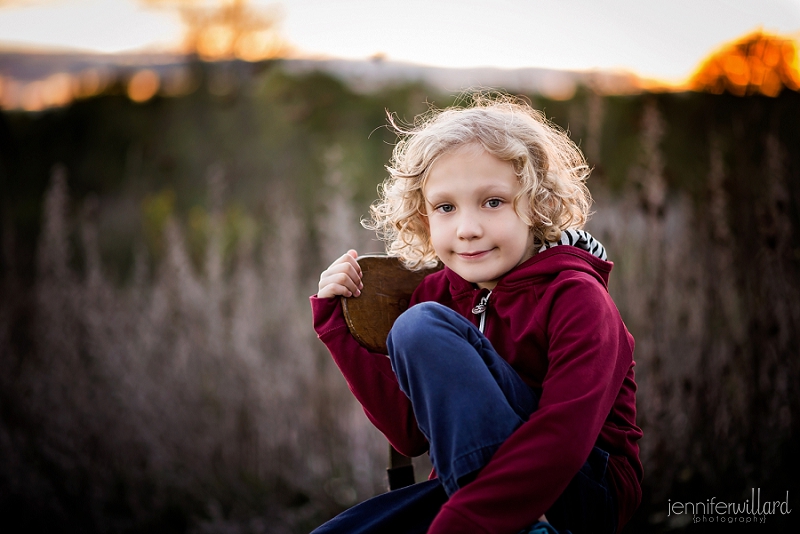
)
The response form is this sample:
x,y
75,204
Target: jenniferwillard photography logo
x,y
752,510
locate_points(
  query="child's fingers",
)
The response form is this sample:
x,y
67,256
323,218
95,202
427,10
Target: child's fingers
x,y
350,258
338,283
350,268
343,277
346,259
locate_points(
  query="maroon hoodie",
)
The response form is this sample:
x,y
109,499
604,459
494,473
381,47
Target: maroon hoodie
x,y
553,320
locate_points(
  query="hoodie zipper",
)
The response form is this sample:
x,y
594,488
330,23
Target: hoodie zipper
x,y
480,309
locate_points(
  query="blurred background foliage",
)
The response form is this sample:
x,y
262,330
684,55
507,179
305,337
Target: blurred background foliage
x,y
159,372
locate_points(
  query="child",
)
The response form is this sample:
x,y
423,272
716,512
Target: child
x,y
512,367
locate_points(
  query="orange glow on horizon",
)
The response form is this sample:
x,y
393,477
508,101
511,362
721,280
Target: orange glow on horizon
x,y
758,63
143,85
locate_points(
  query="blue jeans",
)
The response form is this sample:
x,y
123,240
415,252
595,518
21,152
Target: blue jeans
x,y
467,401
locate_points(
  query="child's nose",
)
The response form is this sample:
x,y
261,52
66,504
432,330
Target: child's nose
x,y
469,227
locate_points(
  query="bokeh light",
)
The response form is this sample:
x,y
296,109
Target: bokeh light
x,y
758,63
143,85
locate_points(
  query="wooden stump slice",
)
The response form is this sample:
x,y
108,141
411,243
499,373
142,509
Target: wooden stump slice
x,y
388,286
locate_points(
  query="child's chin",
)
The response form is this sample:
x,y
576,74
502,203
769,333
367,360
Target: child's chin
x,y
473,276
481,281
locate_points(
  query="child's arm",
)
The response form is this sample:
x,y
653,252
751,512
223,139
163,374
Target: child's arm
x,y
369,375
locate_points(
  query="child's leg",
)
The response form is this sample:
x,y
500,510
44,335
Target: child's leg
x,y
588,504
466,398
408,510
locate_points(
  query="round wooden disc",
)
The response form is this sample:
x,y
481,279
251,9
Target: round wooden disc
x,y
388,286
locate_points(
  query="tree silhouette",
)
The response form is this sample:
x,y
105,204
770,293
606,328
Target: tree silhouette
x,y
228,29
758,63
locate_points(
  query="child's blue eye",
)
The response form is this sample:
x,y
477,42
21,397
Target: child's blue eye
x,y
446,208
494,203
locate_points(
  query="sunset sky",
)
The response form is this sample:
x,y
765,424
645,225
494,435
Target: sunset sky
x,y
657,39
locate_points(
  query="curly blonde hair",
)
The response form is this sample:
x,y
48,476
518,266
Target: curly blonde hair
x,y
550,167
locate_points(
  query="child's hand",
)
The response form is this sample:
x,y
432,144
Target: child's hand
x,y
343,278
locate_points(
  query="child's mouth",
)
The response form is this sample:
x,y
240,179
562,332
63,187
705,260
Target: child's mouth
x,y
473,255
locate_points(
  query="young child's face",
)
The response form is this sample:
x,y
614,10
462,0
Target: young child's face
x,y
475,231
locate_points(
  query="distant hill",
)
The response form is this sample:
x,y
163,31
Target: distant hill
x,y
362,75
366,75
28,66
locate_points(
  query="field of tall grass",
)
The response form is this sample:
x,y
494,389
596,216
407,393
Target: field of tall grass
x,y
158,369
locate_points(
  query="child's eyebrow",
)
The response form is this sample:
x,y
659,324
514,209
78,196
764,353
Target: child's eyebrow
x,y
435,197
500,190
496,189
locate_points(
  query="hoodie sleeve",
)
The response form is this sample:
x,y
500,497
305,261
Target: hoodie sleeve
x,y
589,353
371,379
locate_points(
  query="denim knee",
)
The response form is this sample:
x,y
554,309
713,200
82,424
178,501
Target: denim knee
x,y
417,324
417,332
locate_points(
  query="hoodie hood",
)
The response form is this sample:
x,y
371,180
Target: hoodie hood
x,y
581,239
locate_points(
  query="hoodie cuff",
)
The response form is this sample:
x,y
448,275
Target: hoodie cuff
x,y
327,314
